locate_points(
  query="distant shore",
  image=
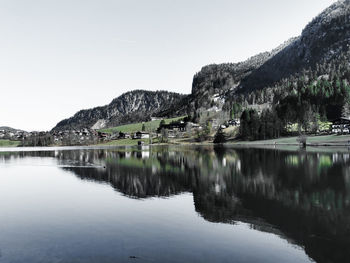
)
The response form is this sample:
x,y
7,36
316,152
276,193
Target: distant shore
x,y
320,140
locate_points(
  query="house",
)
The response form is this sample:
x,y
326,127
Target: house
x,y
192,125
174,126
156,118
123,135
141,135
234,122
103,135
341,126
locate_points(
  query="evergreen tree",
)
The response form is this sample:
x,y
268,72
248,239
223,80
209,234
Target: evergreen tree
x,y
346,110
220,137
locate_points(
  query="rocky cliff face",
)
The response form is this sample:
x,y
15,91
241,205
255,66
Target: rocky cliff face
x,y
324,39
133,106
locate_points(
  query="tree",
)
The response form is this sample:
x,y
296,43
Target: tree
x,y
189,129
244,127
308,118
220,137
250,124
164,135
236,110
161,124
143,127
345,113
203,134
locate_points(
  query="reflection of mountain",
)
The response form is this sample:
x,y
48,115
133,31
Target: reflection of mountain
x,y
305,196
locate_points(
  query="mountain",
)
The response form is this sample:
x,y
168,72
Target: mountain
x,y
9,129
133,106
324,41
313,66
223,78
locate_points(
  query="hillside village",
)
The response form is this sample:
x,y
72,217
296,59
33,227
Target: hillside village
x,y
158,130
214,124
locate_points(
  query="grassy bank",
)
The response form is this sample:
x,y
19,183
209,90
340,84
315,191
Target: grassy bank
x,y
134,127
8,143
123,142
324,140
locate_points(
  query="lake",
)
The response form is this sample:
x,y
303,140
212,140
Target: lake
x,y
174,204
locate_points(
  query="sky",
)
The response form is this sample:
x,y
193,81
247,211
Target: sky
x,y
60,56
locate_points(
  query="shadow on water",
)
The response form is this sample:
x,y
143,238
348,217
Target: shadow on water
x,y
302,196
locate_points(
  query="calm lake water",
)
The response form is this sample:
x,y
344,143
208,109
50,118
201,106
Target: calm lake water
x,y
174,204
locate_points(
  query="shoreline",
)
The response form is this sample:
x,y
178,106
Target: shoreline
x,y
312,141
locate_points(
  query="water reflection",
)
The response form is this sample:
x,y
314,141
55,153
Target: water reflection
x,y
302,196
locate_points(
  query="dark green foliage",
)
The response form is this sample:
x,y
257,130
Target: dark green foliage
x,y
255,127
317,94
162,122
270,125
164,135
236,110
324,99
39,139
220,137
250,124
204,134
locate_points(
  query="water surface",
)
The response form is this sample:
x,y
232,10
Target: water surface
x,y
174,204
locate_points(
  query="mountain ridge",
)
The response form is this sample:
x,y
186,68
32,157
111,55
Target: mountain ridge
x,y
326,38
136,105
323,42
10,129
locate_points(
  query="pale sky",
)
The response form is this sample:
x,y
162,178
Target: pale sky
x,y
60,56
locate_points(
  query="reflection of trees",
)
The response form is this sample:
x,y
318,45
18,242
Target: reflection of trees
x,y
136,182
303,195
134,176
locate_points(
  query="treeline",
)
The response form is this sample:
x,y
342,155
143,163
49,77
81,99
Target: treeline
x,y
309,100
267,125
40,139
314,95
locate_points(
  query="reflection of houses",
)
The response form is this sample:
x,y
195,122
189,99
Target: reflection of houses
x,y
144,154
141,135
341,125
